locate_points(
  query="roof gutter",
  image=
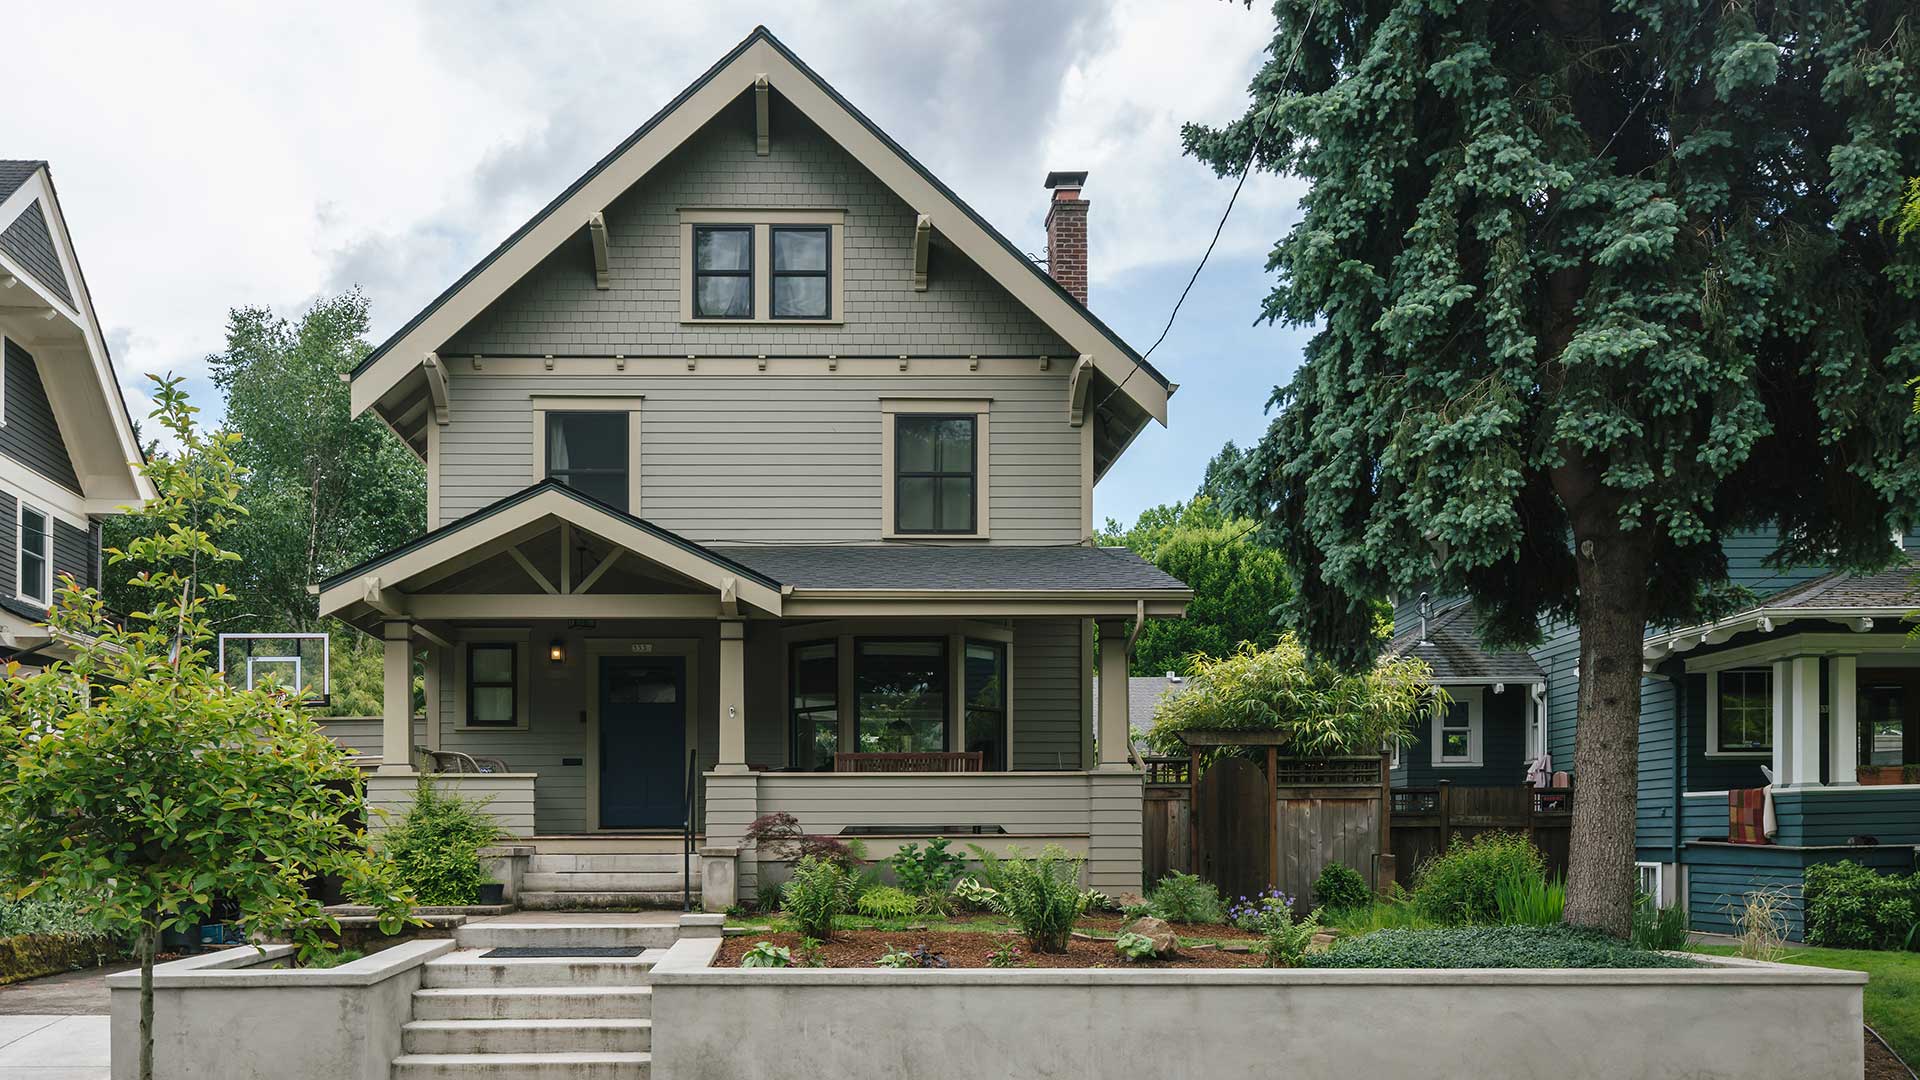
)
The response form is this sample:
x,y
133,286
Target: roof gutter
x,y
1765,620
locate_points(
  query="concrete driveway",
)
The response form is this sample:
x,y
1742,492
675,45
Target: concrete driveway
x,y
44,1047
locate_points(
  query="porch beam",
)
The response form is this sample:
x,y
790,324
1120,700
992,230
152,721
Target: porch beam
x,y
533,571
801,605
554,606
732,756
1843,723
396,709
594,574
566,558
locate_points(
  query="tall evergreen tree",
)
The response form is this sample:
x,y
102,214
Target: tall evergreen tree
x,y
1596,285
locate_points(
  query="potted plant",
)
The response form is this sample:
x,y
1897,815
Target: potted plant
x,y
1876,775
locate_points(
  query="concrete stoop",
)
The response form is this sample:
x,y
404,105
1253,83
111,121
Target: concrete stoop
x,y
533,1018
594,882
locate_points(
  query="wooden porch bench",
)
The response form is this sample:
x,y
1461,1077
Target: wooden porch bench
x,y
927,762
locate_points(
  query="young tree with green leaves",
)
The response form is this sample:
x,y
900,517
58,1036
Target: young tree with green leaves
x,y
1239,585
136,782
1596,286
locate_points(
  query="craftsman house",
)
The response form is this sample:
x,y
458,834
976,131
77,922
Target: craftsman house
x,y
67,449
760,477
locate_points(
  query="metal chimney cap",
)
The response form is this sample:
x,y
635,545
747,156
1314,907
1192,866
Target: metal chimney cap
x,y
1066,179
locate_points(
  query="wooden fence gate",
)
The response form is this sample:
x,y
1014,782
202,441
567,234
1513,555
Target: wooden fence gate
x,y
1233,819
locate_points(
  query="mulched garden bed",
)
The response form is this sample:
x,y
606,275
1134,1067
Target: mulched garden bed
x,y
860,948
1109,926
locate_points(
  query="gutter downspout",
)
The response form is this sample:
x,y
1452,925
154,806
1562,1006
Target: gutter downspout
x,y
1538,693
1680,694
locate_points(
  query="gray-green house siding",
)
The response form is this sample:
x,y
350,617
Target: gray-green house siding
x,y
1502,744
31,435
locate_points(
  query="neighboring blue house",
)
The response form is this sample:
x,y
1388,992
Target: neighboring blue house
x,y
1817,681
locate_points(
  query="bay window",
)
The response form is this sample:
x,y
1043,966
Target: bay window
x,y
900,695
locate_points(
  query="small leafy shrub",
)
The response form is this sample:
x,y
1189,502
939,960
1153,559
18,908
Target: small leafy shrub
x,y
1490,947
1131,912
887,902
921,957
1006,956
1849,906
820,891
974,895
1529,901
767,954
435,848
1284,939
1341,888
811,953
1252,913
930,872
1185,898
1134,946
778,836
991,875
1655,927
1101,902
1462,884
1042,896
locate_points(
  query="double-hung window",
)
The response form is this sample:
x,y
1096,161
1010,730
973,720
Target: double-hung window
x,y
35,566
1457,728
936,474
588,451
493,691
1740,711
801,285
723,271
986,702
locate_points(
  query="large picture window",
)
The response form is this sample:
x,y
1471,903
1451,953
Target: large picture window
x,y
723,271
815,678
986,701
588,451
936,466
492,687
35,567
900,690
801,272
1741,704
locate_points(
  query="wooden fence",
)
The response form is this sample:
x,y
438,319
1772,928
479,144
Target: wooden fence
x,y
1426,819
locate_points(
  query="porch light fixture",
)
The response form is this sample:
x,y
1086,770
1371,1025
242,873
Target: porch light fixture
x,y
557,651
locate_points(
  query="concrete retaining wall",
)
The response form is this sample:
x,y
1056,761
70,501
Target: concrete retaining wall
x,y
1733,1019
232,1013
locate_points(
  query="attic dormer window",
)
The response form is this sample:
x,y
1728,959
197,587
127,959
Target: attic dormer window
x,y
723,271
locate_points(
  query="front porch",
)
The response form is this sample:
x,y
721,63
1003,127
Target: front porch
x,y
652,687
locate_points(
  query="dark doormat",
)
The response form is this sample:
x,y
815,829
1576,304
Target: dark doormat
x,y
510,953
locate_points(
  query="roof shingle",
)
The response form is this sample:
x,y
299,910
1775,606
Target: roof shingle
x,y
926,566
1453,650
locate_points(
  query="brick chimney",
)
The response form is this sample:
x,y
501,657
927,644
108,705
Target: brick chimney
x,y
1067,232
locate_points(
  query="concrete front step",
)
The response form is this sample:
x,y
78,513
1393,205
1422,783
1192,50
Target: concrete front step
x,y
546,900
568,1036
534,1003
613,864
582,881
465,968
490,935
577,1066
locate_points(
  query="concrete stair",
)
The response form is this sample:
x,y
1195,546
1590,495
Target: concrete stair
x,y
589,882
536,1018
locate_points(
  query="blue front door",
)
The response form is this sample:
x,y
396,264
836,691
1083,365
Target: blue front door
x,y
643,742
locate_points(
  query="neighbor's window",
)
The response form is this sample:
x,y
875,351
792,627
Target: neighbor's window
x,y
800,273
723,271
1883,725
986,728
815,677
1456,733
36,555
491,689
1744,704
587,451
935,474
900,690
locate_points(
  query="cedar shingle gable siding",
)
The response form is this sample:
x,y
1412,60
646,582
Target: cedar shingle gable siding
x,y
31,435
556,308
28,241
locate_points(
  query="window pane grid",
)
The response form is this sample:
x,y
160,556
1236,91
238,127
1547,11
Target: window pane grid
x,y
1746,711
801,272
935,470
1456,733
723,271
33,564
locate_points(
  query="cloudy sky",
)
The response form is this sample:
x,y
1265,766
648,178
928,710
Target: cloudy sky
x,y
251,154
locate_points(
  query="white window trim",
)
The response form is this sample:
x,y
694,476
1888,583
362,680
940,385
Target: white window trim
x,y
1712,749
3,380
522,676
21,509
627,403
761,221
1473,697
1659,892
980,409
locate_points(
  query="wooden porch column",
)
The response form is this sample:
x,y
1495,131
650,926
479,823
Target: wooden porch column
x,y
1113,738
732,756
1804,724
396,708
1782,709
1843,723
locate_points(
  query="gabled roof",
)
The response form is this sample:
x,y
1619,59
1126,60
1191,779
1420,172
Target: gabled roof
x,y
39,267
1454,652
760,54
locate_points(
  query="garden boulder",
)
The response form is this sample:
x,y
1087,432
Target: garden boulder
x,y
1157,931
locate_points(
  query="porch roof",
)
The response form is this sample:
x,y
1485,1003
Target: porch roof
x,y
1454,652
945,567
1842,597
